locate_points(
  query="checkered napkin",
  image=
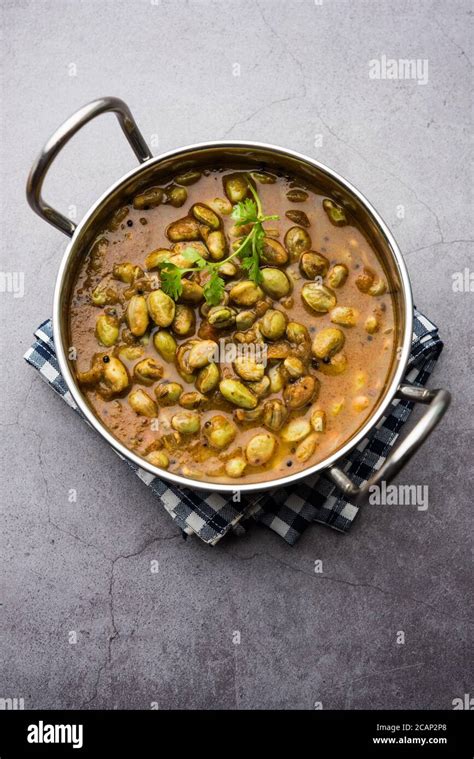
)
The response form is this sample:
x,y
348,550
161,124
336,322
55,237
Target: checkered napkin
x,y
287,511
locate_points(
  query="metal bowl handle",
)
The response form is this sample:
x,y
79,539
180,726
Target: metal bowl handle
x,y
59,140
438,402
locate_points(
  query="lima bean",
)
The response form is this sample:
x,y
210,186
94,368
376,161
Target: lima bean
x,y
147,371
219,431
137,315
161,308
260,449
275,283
115,375
142,404
186,422
165,344
149,199
235,392
107,329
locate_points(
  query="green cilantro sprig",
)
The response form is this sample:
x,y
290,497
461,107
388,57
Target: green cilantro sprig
x,y
249,251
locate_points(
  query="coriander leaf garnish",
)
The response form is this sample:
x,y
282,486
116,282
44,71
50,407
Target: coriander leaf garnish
x,y
245,212
251,262
170,277
214,288
192,255
249,251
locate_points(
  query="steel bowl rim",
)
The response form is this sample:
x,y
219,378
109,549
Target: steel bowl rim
x,y
255,487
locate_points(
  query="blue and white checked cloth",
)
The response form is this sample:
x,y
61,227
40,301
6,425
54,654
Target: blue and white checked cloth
x,y
287,511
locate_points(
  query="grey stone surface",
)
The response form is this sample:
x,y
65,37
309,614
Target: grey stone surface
x,y
85,566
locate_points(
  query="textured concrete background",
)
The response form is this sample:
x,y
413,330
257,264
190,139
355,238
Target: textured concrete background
x,y
85,567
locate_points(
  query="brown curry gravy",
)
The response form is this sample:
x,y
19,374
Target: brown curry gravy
x,y
369,356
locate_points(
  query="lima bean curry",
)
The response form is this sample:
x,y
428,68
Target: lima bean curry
x,y
232,326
